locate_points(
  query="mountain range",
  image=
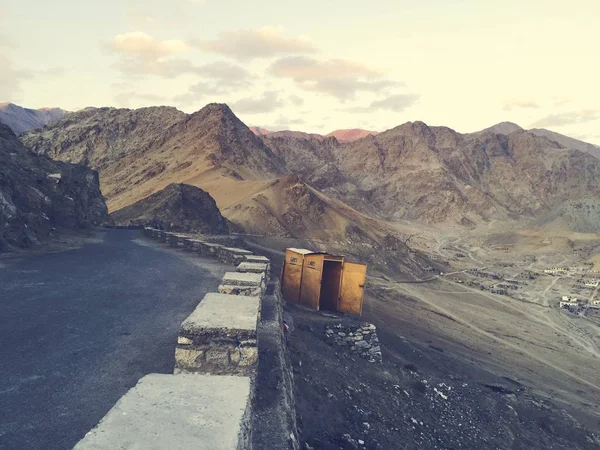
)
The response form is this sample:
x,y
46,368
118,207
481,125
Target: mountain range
x,y
302,185
20,119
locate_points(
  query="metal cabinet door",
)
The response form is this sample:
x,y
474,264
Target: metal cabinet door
x,y
292,277
353,285
310,293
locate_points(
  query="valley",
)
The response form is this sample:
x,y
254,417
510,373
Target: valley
x,y
495,306
473,241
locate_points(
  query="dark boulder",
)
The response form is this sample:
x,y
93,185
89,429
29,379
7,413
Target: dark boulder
x,y
178,207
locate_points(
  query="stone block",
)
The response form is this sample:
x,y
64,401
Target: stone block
x,y
178,412
220,330
249,291
257,258
243,279
252,267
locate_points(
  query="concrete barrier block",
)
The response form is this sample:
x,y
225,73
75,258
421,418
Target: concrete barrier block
x,y
252,267
249,291
219,337
179,412
243,279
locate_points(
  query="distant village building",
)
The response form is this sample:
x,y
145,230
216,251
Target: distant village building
x,y
595,304
556,270
591,283
568,301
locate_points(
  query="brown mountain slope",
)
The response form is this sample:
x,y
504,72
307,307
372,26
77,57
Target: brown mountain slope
x,y
428,175
561,139
568,142
38,195
289,207
435,175
139,152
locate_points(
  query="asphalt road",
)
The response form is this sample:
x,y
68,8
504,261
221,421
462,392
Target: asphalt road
x,y
78,328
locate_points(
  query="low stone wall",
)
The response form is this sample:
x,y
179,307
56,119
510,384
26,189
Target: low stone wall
x,y
232,373
219,337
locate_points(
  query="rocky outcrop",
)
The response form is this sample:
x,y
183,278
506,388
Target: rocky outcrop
x,y
20,119
178,207
38,195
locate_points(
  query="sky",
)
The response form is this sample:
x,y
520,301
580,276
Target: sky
x,y
314,65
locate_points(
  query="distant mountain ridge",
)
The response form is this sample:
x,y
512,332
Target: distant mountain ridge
x,y
20,119
351,135
413,172
348,135
565,141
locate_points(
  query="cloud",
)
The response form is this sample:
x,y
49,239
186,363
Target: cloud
x,y
218,79
201,91
296,100
336,77
265,42
140,44
11,78
267,102
139,53
305,68
396,103
132,98
568,118
520,104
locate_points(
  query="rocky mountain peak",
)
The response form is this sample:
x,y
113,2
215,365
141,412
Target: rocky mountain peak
x,y
504,128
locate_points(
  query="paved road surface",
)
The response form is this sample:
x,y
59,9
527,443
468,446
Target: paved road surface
x,y
79,328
